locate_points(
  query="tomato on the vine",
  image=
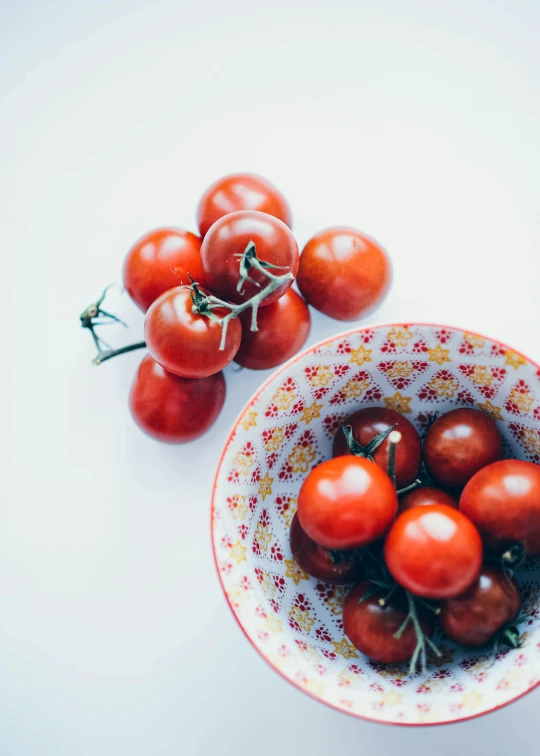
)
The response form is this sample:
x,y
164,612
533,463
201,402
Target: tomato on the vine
x,y
241,191
346,503
426,496
185,342
434,552
174,409
227,240
503,500
161,260
344,273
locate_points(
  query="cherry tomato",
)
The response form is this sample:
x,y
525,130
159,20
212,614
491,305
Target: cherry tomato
x,y
426,496
184,342
346,503
459,444
160,260
343,568
344,273
473,618
367,423
174,409
230,236
371,628
241,191
503,500
434,552
282,330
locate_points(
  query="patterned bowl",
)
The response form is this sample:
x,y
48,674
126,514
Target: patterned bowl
x,y
294,621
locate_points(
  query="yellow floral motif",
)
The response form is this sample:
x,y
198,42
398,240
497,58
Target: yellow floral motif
x,y
515,678
314,686
513,359
249,420
400,336
473,340
523,401
311,413
393,671
238,552
400,370
302,618
353,389
491,409
443,386
398,403
322,376
242,463
238,506
446,656
337,600
301,457
267,585
283,398
345,648
482,375
313,654
439,355
294,571
531,440
263,536
289,513
391,698
471,700
238,595
265,486
273,624
274,441
360,355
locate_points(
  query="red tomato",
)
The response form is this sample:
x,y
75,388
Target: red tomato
x,y
160,260
184,342
503,500
473,618
230,236
459,444
241,191
434,552
371,628
317,561
283,328
426,496
344,273
174,409
367,423
346,503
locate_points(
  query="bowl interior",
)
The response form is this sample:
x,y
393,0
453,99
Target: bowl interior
x,y
293,620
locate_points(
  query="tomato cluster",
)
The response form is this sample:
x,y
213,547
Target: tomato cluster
x,y
424,532
226,295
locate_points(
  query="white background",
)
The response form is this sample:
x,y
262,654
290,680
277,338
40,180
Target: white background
x,y
416,121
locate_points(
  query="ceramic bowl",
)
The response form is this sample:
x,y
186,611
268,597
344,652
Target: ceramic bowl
x,y
287,427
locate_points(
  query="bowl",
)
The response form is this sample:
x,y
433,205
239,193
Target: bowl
x,y
287,428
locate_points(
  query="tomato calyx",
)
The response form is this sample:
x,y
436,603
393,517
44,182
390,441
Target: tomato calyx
x,y
367,451
509,636
95,316
512,559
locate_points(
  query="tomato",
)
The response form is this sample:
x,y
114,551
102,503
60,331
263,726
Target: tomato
x,y
434,552
344,273
160,260
367,423
241,191
346,503
283,328
371,628
184,342
473,618
426,496
229,238
174,409
338,569
459,444
503,500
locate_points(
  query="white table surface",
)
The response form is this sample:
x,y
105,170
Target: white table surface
x,y
418,122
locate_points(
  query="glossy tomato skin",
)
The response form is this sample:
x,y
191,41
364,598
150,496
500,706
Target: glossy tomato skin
x,y
459,444
371,628
161,260
184,342
229,236
317,562
241,191
367,423
426,496
344,273
473,618
173,409
434,552
282,330
346,503
503,500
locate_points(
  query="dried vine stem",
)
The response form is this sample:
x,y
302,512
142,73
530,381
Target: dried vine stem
x,y
422,640
95,316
